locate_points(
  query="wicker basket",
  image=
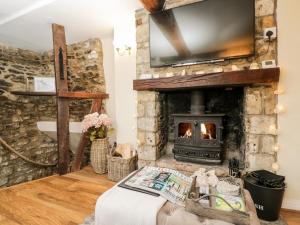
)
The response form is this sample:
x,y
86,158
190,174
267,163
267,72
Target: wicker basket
x,y
118,168
99,150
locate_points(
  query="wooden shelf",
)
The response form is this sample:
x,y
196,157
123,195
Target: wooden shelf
x,y
33,93
73,95
83,95
233,78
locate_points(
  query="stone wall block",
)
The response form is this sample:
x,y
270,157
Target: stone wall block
x,y
147,152
264,7
147,96
140,110
252,143
253,101
152,109
260,161
270,101
152,138
142,32
141,135
147,124
267,143
261,124
142,163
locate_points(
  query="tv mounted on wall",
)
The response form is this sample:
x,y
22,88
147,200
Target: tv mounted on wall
x,y
208,30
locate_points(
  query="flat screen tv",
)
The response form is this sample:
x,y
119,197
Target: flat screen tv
x,y
208,30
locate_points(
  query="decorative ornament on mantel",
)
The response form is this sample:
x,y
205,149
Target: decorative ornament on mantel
x,y
97,126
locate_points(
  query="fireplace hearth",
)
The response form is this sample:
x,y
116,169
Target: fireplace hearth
x,y
198,136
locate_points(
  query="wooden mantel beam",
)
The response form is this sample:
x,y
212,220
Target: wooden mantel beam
x,y
225,79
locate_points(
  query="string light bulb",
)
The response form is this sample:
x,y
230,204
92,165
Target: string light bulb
x,y
276,148
279,91
280,109
273,129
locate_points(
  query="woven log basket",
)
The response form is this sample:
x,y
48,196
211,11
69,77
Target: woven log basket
x,y
118,168
99,150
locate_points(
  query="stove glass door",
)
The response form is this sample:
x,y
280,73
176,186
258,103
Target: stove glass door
x,y
208,131
184,134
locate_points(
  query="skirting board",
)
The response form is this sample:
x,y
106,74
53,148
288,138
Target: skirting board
x,y
291,204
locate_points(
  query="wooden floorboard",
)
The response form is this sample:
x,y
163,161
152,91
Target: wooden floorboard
x,y
292,217
55,200
64,200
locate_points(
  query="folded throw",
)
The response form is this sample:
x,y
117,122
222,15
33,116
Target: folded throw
x,y
120,206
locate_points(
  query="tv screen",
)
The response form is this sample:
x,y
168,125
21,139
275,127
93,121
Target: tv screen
x,y
204,31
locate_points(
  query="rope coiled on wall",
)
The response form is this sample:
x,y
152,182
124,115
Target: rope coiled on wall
x,y
7,146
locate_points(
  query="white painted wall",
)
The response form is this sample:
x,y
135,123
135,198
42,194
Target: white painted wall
x,y
109,73
125,98
289,122
125,73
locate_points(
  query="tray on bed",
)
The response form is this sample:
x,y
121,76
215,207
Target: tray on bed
x,y
248,217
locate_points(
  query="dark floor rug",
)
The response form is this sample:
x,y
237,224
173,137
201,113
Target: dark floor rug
x,y
90,220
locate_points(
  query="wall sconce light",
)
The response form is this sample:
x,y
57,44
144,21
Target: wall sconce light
x,y
126,50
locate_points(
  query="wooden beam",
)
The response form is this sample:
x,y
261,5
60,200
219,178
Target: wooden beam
x,y
33,93
234,78
96,107
60,65
167,23
83,95
153,5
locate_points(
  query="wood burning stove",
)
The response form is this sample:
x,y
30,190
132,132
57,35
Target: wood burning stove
x,y
198,136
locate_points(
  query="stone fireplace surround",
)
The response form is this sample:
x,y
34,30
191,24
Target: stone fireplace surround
x,y
258,108
254,149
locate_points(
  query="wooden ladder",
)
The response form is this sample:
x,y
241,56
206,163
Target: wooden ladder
x,y
63,97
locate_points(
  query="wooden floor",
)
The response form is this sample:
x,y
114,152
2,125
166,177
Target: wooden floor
x,y
63,200
292,217
55,200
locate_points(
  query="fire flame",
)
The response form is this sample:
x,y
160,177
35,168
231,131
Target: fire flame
x,y
203,129
188,133
204,132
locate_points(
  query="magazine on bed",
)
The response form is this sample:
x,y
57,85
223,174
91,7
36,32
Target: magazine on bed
x,y
168,183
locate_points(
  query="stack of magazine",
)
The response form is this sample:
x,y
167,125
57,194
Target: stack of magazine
x,y
156,181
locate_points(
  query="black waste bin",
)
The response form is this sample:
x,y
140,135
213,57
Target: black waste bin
x,y
267,200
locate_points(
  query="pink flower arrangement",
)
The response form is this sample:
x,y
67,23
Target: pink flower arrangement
x,y
96,125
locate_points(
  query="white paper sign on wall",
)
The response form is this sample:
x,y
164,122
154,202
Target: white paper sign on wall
x,y
44,84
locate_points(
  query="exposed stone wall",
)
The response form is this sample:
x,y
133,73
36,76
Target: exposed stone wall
x,y
260,121
20,114
260,126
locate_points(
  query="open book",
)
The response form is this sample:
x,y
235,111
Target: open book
x,y
170,184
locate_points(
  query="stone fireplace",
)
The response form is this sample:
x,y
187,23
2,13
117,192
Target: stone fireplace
x,y
249,119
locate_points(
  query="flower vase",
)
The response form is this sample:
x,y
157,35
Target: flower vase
x,y
99,151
